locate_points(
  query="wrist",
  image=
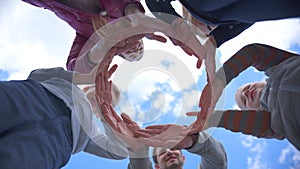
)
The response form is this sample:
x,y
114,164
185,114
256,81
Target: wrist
x,y
194,138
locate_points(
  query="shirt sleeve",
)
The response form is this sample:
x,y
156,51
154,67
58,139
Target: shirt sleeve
x,y
138,160
106,145
259,56
76,48
41,75
212,152
251,122
163,10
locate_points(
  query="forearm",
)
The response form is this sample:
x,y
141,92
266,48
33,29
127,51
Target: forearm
x,y
107,145
251,122
139,163
260,56
140,159
212,152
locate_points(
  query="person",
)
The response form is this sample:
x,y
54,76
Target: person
x,y
84,16
223,20
47,118
269,109
212,152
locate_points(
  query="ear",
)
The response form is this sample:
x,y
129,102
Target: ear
x,y
183,159
157,166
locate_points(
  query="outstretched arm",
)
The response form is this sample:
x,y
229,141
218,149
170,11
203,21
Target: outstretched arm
x,y
259,56
251,122
212,152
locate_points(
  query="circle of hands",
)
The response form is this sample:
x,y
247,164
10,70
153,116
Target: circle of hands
x,y
169,135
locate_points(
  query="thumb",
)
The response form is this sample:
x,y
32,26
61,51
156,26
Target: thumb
x,y
192,113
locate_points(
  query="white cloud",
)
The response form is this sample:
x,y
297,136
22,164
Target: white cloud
x,y
27,42
291,156
279,33
247,140
256,150
256,161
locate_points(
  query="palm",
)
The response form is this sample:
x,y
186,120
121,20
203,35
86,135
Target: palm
x,y
170,136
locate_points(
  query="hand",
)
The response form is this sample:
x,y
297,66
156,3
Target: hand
x,y
123,127
127,42
210,95
208,100
192,46
104,86
170,136
199,125
210,63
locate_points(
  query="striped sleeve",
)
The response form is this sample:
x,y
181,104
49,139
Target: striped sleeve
x,y
251,122
260,56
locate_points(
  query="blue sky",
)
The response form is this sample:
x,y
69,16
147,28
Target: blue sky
x,y
35,38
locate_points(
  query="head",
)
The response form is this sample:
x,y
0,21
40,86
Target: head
x,y
167,159
135,53
248,96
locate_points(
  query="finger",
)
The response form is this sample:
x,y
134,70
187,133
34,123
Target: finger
x,y
159,38
157,127
138,133
192,113
151,131
106,82
112,70
103,80
199,63
187,50
202,115
151,142
108,116
115,114
127,119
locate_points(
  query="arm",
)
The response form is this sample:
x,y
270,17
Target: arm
x,y
252,122
140,159
212,152
78,60
106,145
259,56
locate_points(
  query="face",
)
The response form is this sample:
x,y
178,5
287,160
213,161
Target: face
x,y
248,96
169,159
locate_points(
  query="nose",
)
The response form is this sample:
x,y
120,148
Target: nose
x,y
169,152
247,92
